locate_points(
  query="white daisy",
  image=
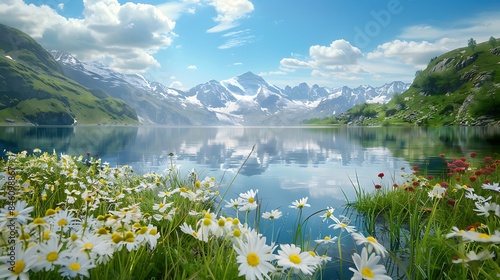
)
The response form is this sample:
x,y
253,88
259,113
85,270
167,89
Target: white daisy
x,y
472,256
75,265
299,204
20,211
367,267
493,187
437,192
328,214
343,225
48,253
371,242
254,258
188,229
24,262
273,215
290,256
326,240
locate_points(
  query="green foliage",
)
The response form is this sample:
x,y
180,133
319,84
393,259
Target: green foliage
x,y
492,41
486,102
472,44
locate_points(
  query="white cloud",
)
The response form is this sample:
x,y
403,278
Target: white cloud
x,y
236,39
340,52
411,52
229,12
339,56
192,67
124,36
60,6
294,63
479,26
175,9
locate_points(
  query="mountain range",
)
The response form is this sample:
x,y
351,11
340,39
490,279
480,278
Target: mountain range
x,y
246,99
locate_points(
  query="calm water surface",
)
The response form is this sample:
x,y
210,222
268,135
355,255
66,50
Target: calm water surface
x,y
284,163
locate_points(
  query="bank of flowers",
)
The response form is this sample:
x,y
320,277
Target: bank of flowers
x,y
76,217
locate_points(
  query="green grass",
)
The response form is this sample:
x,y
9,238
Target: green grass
x,y
415,224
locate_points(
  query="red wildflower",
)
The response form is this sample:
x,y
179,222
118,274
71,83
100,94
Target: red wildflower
x,y
478,172
416,167
377,186
441,155
381,175
395,185
430,177
88,153
488,159
472,178
444,184
473,154
451,202
409,188
458,179
486,181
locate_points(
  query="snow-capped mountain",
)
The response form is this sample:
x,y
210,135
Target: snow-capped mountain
x,y
246,99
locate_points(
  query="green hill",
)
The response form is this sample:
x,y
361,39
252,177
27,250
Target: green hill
x,y
34,90
461,87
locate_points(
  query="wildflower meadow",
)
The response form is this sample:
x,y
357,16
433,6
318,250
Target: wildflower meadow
x,y
65,216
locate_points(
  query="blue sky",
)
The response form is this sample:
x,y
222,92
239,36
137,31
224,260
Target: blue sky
x,y
187,42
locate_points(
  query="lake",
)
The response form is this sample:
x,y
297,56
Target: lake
x,y
283,163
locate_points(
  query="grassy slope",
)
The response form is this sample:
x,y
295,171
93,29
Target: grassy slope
x,y
34,90
440,98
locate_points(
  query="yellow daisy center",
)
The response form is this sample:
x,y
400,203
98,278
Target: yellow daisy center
x,y
483,236
237,233
343,225
129,237
207,222
153,231
328,214
102,231
62,222
52,256
301,205
19,267
75,266
251,200
327,237
50,212
371,239
253,259
143,230
38,221
116,238
88,246
367,272
221,222
294,258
